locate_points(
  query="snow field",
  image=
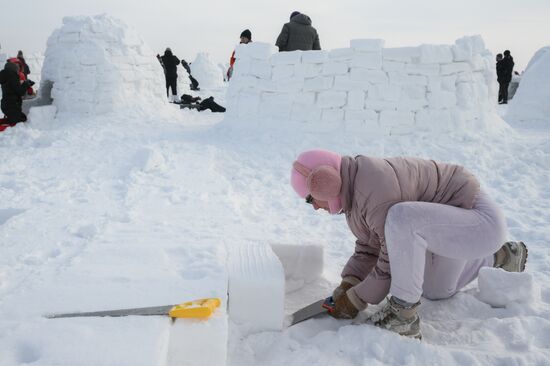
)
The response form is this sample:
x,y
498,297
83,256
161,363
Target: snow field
x,y
366,86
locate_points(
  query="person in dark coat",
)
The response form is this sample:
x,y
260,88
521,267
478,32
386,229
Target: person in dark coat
x,y
506,69
499,74
170,64
298,34
13,90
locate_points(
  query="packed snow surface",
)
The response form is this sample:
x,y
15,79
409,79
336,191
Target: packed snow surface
x,y
207,73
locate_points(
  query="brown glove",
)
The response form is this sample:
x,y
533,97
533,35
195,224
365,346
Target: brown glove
x,y
343,308
347,283
341,289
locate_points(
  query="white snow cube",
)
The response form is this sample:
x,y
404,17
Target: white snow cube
x,y
356,99
403,54
301,263
318,83
314,57
499,288
368,60
282,71
335,68
332,115
370,76
341,54
331,99
256,287
286,58
435,54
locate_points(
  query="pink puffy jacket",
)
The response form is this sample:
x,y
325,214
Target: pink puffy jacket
x,y
370,186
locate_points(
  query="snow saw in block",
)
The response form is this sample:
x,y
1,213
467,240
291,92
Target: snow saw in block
x,y
318,308
198,309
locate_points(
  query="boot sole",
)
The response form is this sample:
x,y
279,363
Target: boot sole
x,y
524,260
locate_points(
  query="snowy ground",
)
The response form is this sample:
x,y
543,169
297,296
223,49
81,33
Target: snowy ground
x,y
123,211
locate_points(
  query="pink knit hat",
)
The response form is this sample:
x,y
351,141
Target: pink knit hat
x,y
317,172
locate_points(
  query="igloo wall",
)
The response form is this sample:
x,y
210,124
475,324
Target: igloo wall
x,y
206,72
366,87
97,65
531,102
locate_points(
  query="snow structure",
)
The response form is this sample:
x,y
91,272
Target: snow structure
x,y
35,62
97,64
367,87
531,101
206,72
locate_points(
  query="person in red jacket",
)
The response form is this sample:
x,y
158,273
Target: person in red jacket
x,y
246,37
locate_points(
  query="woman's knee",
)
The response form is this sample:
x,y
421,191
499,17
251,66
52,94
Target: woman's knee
x,y
435,293
398,219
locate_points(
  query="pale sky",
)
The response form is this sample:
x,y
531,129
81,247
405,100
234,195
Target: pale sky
x,y
210,26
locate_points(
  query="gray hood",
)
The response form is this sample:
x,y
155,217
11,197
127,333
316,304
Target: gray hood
x,y
301,19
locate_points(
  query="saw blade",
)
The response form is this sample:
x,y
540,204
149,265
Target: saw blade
x,y
155,310
308,312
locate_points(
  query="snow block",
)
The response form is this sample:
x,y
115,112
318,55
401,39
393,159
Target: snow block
x,y
422,69
256,287
259,50
403,54
341,54
394,118
380,105
367,60
386,92
307,70
441,99
331,99
369,45
455,68
335,68
198,342
282,72
301,263
499,288
304,98
305,113
260,69
43,114
389,65
346,83
370,76
318,83
290,85
356,99
401,78
435,54
332,115
361,115
286,58
314,57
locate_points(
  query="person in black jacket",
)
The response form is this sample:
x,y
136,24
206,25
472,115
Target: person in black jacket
x,y
13,90
170,64
499,74
298,34
506,66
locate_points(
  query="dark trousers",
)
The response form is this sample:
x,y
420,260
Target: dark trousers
x,y
13,112
172,83
503,91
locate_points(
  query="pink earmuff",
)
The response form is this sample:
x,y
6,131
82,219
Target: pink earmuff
x,y
323,182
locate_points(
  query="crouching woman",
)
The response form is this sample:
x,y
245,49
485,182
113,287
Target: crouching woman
x,y
423,228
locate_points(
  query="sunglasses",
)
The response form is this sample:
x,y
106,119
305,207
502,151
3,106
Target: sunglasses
x,y
309,199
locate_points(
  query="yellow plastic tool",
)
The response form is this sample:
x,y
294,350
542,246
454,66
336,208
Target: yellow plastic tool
x,y
202,308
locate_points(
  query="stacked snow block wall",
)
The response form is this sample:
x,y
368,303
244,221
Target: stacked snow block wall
x,y
98,65
366,86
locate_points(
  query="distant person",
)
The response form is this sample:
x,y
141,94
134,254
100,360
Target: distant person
x,y
507,65
246,37
13,90
170,64
194,83
298,34
499,68
26,70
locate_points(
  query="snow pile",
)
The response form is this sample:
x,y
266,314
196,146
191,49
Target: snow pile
x,y
367,86
97,64
532,99
499,288
206,72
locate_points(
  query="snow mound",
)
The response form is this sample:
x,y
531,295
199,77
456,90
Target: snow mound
x,y
499,288
97,64
206,72
530,102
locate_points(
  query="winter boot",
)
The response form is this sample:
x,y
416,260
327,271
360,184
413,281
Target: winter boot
x,y
398,319
511,257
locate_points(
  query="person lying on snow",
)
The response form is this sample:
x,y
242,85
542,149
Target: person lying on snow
x,y
423,228
190,102
13,90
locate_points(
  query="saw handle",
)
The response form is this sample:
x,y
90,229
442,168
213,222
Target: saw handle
x,y
201,309
329,304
